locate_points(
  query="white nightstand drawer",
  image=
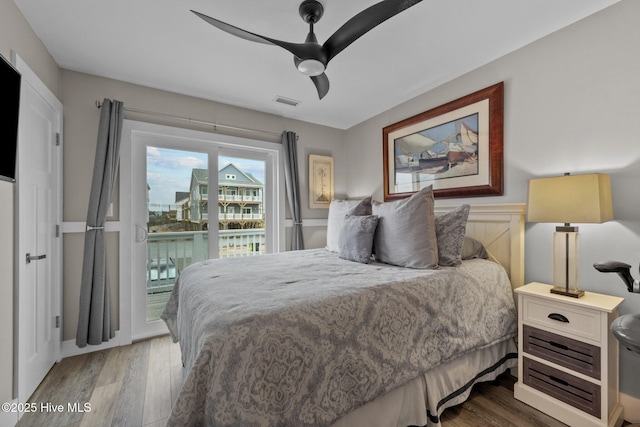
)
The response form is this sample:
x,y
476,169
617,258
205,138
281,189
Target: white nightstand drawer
x,y
576,321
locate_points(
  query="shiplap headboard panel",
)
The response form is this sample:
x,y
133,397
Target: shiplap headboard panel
x,y
500,228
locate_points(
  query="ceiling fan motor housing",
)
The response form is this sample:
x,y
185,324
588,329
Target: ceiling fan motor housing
x,y
311,11
312,59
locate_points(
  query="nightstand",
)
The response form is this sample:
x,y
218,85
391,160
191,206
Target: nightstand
x,y
567,356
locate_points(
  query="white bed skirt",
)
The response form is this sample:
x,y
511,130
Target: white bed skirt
x,y
422,401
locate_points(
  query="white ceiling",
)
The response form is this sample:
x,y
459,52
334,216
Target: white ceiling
x,y
161,44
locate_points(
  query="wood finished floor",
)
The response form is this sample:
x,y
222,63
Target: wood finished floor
x,y
132,385
135,386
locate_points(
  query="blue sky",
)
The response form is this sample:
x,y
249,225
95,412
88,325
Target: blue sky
x,y
169,171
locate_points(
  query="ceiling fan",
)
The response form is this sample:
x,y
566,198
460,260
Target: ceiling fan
x,y
310,57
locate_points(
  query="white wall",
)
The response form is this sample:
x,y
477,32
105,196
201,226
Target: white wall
x,y
572,104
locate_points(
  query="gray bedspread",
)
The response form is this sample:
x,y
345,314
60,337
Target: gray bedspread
x,y
302,338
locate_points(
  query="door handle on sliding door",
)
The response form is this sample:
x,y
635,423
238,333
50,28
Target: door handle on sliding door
x,y
141,234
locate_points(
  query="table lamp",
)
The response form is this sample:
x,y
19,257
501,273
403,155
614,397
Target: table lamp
x,y
569,199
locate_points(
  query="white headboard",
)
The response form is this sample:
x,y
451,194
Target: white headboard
x,y
500,228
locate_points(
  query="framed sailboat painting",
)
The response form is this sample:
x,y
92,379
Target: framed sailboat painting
x,y
456,147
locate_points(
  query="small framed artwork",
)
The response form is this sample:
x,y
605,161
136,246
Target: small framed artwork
x,y
456,147
320,181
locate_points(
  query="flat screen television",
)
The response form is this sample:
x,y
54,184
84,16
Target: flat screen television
x,y
10,106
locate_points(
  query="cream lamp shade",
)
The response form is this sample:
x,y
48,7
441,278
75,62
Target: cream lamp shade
x,y
570,198
566,199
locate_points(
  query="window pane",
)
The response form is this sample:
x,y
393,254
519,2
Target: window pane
x,y
176,220
241,223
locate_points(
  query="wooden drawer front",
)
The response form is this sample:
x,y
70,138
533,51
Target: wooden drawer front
x,y
575,355
561,317
573,391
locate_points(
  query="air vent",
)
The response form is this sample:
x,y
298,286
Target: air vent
x,y
286,101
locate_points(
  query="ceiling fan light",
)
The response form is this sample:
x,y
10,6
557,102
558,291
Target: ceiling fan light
x,y
311,67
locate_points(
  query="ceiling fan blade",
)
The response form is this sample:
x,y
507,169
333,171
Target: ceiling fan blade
x,y
298,49
321,81
363,22
238,32
322,84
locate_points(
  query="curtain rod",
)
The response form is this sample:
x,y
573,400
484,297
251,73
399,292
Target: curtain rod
x,y
197,121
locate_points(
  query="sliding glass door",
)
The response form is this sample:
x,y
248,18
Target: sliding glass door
x,y
193,200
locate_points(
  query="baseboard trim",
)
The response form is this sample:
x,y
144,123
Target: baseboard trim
x,y
631,408
9,418
70,349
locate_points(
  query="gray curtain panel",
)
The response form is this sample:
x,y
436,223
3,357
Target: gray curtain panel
x,y
292,181
94,321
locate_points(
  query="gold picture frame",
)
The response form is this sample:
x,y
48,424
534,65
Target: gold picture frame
x,y
320,181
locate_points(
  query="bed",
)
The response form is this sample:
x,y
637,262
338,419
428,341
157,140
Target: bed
x,y
307,338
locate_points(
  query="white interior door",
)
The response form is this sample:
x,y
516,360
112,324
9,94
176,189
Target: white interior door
x,y
38,255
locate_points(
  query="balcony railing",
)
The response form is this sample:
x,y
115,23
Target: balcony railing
x,y
239,198
204,216
240,216
170,253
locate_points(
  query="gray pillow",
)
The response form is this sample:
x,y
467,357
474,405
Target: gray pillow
x,y
356,238
450,229
337,211
406,233
473,249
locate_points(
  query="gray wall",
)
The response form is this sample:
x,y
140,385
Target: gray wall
x,y
79,93
15,35
572,102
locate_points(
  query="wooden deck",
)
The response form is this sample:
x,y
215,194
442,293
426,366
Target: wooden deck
x,y
155,305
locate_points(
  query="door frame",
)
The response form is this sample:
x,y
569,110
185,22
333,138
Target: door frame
x,y
29,77
226,144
